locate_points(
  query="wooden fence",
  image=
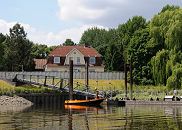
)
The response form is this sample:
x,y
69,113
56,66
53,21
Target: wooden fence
x,y
65,75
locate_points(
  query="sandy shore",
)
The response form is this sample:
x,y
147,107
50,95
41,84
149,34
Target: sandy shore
x,y
14,103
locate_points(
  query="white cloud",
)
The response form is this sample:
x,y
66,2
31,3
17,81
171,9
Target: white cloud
x,y
5,26
109,12
75,9
48,38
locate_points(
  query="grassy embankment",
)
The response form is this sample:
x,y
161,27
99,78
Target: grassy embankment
x,y
8,89
139,92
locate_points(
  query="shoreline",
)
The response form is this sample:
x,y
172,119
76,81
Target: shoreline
x,y
143,102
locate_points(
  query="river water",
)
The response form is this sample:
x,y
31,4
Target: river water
x,y
90,118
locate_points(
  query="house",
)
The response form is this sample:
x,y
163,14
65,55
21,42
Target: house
x,y
40,64
58,59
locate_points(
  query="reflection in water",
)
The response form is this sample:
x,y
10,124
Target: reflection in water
x,y
70,119
83,109
91,118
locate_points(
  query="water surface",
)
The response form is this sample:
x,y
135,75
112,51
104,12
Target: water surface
x,y
91,118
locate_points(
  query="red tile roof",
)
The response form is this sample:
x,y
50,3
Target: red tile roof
x,y
64,50
40,63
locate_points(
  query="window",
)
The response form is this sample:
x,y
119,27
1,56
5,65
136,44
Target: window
x,y
56,60
78,60
92,60
70,58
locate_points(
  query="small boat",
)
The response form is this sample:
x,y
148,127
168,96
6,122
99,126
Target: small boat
x,y
89,102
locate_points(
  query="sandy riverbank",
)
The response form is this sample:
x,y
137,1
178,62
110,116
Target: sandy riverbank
x,y
14,103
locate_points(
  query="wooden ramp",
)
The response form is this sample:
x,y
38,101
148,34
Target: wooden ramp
x,y
55,83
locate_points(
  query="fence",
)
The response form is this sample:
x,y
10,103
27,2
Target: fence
x,y
65,75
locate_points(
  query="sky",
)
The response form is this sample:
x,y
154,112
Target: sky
x,y
51,22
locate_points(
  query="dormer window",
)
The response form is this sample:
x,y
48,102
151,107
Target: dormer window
x,y
56,60
92,60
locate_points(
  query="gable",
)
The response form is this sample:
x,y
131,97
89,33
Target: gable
x,y
75,54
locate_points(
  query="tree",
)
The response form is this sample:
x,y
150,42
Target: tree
x,y
140,51
94,37
175,80
113,52
2,50
169,8
165,31
17,31
40,51
174,36
18,51
126,31
68,42
158,63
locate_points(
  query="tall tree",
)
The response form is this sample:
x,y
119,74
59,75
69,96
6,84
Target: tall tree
x,y
159,67
165,30
94,37
2,50
140,52
18,54
113,52
126,31
68,42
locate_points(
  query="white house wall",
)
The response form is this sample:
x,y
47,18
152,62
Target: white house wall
x,y
75,53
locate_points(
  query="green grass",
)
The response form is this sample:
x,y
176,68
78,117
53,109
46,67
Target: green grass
x,y
8,89
139,92
147,92
32,89
101,84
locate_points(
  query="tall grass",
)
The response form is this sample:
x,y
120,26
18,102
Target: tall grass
x,y
102,84
6,88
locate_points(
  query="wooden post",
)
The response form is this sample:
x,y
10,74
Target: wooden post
x,y
53,80
71,81
125,71
86,76
45,80
131,80
61,83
